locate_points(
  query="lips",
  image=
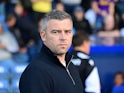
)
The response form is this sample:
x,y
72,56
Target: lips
x,y
63,44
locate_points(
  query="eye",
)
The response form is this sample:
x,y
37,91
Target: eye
x,y
54,31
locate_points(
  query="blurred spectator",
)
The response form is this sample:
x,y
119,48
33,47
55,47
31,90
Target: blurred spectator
x,y
2,7
27,5
59,6
122,26
8,46
86,4
119,9
11,24
122,32
70,5
90,15
118,83
9,5
87,70
20,56
109,32
2,13
40,8
102,8
28,29
119,78
80,23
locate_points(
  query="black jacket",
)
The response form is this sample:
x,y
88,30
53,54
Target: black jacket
x,y
47,75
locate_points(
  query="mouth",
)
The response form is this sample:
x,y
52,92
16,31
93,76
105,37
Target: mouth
x,y
62,44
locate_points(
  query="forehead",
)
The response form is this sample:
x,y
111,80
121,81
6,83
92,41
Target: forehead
x,y
65,23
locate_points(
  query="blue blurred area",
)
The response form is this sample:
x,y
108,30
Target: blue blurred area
x,y
109,60
107,49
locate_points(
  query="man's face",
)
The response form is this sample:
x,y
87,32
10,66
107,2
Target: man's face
x,y
58,36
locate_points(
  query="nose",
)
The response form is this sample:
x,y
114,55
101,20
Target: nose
x,y
62,36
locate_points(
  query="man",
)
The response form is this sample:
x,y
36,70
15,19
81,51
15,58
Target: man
x,y
8,46
102,9
118,83
52,70
88,72
80,23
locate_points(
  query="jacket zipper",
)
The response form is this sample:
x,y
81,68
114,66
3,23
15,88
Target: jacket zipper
x,y
69,72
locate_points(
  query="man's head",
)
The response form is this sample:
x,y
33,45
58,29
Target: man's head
x,y
10,20
81,42
19,9
119,78
60,6
78,13
56,31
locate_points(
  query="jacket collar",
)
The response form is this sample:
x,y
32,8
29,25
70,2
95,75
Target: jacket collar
x,y
47,53
80,54
77,51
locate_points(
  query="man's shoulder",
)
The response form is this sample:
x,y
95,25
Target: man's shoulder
x,y
81,58
39,63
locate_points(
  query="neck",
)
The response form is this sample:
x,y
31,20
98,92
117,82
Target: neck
x,y
61,58
81,49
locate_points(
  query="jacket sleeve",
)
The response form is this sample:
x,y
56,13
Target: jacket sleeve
x,y
35,81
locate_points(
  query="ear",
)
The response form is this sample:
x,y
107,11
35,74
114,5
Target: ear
x,y
43,35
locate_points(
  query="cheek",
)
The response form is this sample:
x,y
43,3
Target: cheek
x,y
71,38
70,41
51,40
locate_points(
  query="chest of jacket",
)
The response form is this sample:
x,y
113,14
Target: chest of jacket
x,y
64,80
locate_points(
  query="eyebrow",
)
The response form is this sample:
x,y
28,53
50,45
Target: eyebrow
x,y
55,30
60,30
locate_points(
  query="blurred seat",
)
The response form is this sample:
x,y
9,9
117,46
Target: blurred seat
x,y
4,72
15,85
16,74
4,86
18,70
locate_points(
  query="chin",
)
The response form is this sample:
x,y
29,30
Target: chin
x,y
61,53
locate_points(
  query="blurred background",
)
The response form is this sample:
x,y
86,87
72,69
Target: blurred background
x,y
20,42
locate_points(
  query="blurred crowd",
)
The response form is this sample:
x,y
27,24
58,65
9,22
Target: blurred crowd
x,y
20,22
102,20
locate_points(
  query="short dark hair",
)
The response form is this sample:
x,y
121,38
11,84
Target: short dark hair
x,y
9,17
79,38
